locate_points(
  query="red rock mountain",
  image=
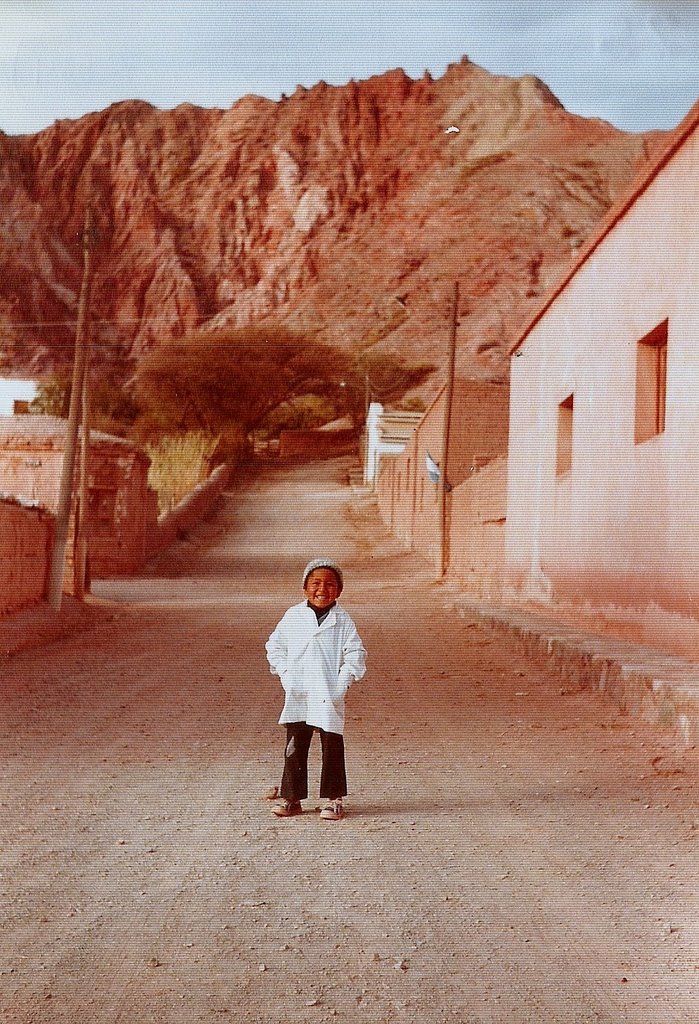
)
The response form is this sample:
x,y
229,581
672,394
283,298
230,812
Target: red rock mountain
x,y
316,211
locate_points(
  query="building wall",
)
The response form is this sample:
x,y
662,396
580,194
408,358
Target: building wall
x,y
621,525
477,531
166,529
386,433
409,501
26,536
118,496
119,508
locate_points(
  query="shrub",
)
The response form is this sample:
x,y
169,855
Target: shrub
x,y
178,464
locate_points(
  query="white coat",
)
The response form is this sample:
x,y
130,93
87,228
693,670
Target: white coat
x,y
316,664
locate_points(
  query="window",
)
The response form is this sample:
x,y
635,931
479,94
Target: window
x,y
564,443
20,407
651,383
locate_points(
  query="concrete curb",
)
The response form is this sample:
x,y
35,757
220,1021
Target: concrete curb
x,y
658,688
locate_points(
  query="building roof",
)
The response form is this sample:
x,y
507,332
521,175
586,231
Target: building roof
x,y
29,431
398,427
676,140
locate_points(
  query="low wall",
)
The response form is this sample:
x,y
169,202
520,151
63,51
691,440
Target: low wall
x,y
476,512
409,500
190,511
26,539
477,531
316,444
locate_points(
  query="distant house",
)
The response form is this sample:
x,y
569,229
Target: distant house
x,y
387,433
31,460
603,465
16,395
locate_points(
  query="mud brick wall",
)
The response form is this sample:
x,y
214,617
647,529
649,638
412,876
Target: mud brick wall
x,y
316,444
26,537
191,510
477,531
409,501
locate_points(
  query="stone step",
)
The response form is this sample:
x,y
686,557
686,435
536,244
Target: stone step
x,y
659,688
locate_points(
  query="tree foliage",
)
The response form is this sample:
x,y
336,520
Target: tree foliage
x,y
261,378
112,408
380,377
208,381
53,395
304,413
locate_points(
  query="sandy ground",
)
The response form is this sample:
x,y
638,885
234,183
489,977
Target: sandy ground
x,y
513,852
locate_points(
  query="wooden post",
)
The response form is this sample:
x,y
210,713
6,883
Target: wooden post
x,y
80,578
443,546
65,495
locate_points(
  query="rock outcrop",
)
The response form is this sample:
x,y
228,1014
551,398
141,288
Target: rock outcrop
x,y
316,211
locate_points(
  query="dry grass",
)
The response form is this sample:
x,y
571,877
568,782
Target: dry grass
x,y
178,464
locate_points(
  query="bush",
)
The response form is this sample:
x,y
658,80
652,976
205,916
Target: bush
x,y
178,464
53,395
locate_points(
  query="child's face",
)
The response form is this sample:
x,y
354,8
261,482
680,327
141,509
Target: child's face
x,y
322,588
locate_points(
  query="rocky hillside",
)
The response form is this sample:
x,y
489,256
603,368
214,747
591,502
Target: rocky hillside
x,y
317,211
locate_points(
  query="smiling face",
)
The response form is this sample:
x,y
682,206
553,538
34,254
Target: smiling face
x,y
322,588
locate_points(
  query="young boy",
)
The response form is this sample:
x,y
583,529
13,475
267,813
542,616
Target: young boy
x,y
317,652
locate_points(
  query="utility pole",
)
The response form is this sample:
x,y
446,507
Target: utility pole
x,y
443,547
82,528
65,494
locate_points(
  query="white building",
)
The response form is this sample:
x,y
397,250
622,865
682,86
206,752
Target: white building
x,y
15,395
387,433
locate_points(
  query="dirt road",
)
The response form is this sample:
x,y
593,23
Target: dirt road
x,y
512,853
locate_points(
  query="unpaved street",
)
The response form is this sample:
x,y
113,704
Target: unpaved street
x,y
513,853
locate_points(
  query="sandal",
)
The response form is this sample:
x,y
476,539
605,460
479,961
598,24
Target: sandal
x,y
334,811
287,809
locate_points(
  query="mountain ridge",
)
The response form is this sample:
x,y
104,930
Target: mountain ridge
x,y
315,211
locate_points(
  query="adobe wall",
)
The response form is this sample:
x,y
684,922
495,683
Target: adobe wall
x,y
316,444
620,529
118,548
190,511
408,500
26,538
31,467
477,532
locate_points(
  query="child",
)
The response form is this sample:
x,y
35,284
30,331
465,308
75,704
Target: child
x,y
317,652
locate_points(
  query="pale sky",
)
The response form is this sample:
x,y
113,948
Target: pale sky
x,y
632,62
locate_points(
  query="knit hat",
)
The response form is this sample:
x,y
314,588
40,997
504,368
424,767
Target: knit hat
x,y
323,563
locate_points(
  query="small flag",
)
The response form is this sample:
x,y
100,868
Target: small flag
x,y
432,468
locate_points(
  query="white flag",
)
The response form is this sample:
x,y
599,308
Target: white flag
x,y
432,468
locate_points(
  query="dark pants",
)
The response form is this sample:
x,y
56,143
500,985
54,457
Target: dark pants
x,y
333,781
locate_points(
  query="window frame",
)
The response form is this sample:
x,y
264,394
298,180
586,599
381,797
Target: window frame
x,y
650,418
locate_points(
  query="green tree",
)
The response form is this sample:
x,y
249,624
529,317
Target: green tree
x,y
112,408
261,378
209,381
53,395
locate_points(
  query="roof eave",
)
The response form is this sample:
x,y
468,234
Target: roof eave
x,y
677,139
